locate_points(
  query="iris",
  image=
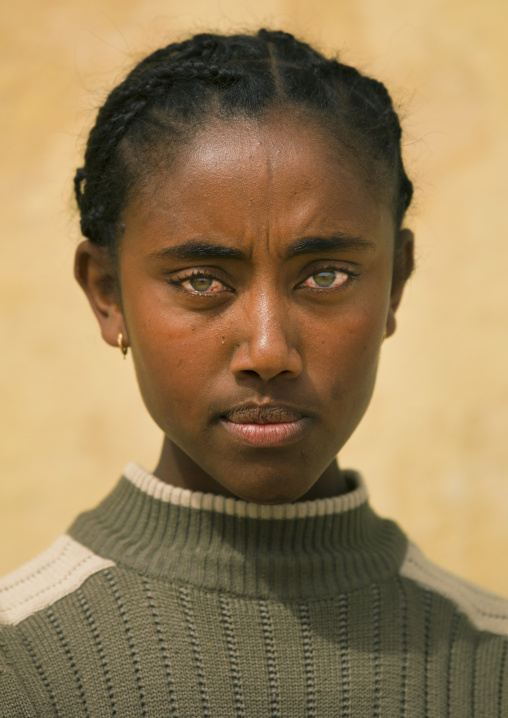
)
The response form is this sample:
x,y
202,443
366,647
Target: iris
x,y
324,279
201,284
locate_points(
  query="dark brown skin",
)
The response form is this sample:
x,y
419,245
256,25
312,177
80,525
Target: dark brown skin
x,y
265,337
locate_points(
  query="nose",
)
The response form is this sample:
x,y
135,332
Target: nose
x,y
266,341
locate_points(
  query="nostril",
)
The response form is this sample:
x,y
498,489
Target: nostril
x,y
250,372
266,355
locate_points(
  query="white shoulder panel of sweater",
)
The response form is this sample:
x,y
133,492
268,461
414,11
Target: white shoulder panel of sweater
x,y
55,573
486,610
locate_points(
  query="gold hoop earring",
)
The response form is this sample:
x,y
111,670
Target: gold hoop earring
x,y
123,349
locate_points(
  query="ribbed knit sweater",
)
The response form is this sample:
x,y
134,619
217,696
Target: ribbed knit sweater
x,y
165,602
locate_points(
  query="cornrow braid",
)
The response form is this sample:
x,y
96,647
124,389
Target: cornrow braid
x,y
125,104
176,89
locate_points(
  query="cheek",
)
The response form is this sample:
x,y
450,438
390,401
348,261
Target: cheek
x,y
175,361
345,358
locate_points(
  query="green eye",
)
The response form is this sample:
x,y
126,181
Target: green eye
x,y
324,279
200,284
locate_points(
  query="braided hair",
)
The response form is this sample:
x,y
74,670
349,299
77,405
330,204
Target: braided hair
x,y
175,90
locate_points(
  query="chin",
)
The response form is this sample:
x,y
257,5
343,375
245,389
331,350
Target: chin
x,y
269,492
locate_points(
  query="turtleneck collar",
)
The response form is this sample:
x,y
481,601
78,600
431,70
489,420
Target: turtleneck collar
x,y
309,549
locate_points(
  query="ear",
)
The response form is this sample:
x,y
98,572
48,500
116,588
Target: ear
x,y
402,268
94,272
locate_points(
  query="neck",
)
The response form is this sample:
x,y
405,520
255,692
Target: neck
x,y
175,467
303,549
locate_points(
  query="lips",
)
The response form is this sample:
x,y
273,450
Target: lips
x,y
263,414
267,425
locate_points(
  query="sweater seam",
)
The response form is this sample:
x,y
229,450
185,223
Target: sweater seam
x,y
503,616
175,583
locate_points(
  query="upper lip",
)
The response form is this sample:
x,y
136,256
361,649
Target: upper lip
x,y
252,413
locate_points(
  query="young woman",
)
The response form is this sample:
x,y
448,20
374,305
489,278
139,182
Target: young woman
x,y
243,200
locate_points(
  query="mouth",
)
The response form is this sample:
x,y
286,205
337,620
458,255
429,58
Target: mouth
x,y
265,425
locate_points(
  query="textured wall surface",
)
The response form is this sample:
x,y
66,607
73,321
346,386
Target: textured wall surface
x,y
433,445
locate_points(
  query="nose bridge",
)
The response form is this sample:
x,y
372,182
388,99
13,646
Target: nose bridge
x,y
268,345
268,316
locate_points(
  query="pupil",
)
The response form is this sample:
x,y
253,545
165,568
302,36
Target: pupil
x,y
324,279
201,284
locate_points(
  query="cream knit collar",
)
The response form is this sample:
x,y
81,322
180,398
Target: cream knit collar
x,y
312,550
151,485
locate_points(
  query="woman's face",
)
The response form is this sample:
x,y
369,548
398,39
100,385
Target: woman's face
x,y
256,283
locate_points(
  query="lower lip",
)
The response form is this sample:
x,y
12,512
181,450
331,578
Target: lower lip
x,y
266,434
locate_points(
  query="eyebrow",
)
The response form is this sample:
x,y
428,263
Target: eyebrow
x,y
195,249
320,245
198,249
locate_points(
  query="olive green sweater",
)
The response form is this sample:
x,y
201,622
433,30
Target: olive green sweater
x,y
164,602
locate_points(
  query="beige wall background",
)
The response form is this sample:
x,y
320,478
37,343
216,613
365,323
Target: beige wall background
x,y
434,445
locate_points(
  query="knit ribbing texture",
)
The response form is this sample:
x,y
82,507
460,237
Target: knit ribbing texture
x,y
161,602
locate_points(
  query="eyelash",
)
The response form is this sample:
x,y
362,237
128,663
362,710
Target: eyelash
x,y
338,270
199,273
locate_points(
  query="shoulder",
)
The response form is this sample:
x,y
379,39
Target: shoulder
x,y
32,644
485,610
55,573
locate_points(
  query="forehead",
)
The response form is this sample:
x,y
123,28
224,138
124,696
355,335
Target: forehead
x,y
245,177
